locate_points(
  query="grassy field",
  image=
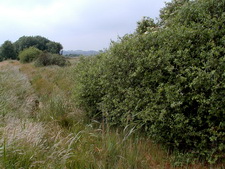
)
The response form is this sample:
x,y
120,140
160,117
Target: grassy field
x,y
41,127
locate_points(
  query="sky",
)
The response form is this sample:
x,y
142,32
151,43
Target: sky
x,y
76,24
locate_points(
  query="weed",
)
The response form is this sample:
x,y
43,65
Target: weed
x,y
58,134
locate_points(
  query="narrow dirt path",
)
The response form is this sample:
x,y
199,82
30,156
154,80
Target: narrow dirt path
x,y
18,103
25,140
14,67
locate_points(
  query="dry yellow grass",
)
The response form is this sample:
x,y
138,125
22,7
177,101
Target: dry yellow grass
x,y
23,131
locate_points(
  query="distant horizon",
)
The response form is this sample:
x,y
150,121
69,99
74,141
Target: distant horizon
x,y
79,50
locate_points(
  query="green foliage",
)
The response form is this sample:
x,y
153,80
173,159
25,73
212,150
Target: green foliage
x,y
38,42
171,10
54,47
46,59
42,58
145,25
30,54
88,90
168,81
7,51
56,134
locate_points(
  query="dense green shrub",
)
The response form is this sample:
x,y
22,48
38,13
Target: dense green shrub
x,y
167,79
42,58
46,59
89,91
30,54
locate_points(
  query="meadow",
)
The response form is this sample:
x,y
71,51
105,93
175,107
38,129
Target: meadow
x,y
153,99
41,127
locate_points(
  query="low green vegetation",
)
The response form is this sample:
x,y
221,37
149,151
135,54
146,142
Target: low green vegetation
x,y
166,79
29,55
46,130
46,59
154,99
41,58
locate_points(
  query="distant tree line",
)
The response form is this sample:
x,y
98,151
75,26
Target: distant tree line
x,y
73,55
10,50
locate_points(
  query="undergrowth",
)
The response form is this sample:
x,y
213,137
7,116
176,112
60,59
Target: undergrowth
x,y
56,134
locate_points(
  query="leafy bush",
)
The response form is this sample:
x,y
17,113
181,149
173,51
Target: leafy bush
x,y
7,51
167,79
89,91
46,59
30,54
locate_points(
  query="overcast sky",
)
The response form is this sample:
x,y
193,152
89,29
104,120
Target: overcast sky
x,y
76,24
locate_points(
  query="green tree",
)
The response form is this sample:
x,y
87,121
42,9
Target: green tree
x,y
54,47
30,54
38,42
7,51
